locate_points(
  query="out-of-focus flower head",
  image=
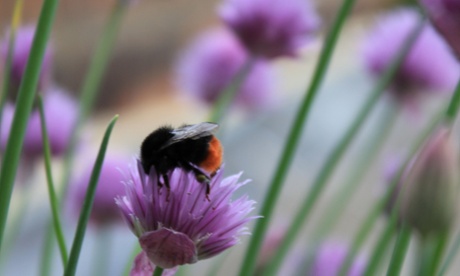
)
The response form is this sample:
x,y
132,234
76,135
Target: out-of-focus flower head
x,y
329,258
429,66
445,15
208,66
22,46
105,211
60,115
430,190
274,29
181,226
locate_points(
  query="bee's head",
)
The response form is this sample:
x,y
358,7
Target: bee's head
x,y
151,147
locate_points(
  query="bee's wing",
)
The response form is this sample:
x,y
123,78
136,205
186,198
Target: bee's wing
x,y
191,132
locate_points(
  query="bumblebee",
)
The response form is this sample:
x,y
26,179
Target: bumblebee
x,y
190,147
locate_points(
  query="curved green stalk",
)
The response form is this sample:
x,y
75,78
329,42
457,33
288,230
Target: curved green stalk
x,y
54,203
71,267
290,147
229,93
24,104
399,252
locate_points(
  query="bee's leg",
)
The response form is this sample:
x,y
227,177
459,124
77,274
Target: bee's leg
x,y
208,190
168,187
202,178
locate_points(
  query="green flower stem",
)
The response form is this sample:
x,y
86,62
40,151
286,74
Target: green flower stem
x,y
450,256
230,92
452,110
370,152
47,250
399,252
290,147
88,203
376,211
380,248
54,203
24,104
15,22
135,251
337,153
434,249
92,84
158,271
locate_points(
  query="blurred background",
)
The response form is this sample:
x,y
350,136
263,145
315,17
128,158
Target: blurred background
x,y
140,86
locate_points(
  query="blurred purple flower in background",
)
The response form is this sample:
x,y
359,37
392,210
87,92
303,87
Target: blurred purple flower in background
x,y
21,50
182,226
60,115
445,15
105,211
271,29
209,65
429,66
329,258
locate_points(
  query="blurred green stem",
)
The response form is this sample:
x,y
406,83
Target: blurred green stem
x,y
333,159
15,22
91,85
274,190
54,203
399,252
24,104
381,247
71,267
369,154
450,256
452,110
230,92
47,256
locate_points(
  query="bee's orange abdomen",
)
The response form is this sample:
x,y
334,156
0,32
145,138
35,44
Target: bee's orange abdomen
x,y
214,158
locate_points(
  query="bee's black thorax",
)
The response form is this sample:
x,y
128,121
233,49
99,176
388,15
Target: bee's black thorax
x,y
179,154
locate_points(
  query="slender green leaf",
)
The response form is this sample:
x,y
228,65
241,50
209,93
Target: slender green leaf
x,y
24,104
399,252
88,203
54,203
292,142
450,256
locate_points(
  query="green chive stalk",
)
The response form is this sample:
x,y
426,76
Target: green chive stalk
x,y
399,252
24,104
71,267
290,147
54,203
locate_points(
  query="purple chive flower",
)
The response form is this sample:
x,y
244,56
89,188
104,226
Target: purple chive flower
x,y
445,15
60,115
210,64
21,50
182,226
143,267
110,185
329,258
429,66
274,29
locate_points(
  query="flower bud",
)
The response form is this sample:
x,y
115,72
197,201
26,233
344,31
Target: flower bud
x,y
430,190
